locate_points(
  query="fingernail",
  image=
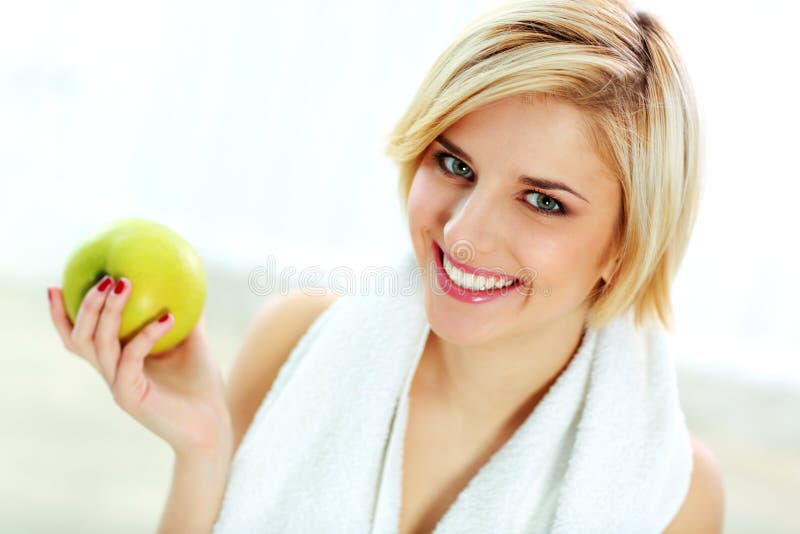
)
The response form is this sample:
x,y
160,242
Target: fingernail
x,y
120,287
104,284
163,318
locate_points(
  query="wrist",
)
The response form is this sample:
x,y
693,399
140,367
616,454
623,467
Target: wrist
x,y
208,445
204,465
216,451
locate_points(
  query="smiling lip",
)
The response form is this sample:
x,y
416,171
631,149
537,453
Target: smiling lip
x,y
473,270
463,294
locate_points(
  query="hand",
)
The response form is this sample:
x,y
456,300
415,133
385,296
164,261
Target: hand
x,y
178,394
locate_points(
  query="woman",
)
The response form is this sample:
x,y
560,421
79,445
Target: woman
x,y
553,149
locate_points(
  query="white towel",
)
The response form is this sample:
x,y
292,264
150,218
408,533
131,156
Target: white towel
x,y
606,450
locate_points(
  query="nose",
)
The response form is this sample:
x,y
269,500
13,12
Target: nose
x,y
472,224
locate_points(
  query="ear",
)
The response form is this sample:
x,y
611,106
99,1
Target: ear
x,y
613,257
610,269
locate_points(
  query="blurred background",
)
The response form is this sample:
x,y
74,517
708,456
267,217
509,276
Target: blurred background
x,y
256,131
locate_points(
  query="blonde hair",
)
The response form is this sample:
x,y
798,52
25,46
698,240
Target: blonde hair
x,y
622,68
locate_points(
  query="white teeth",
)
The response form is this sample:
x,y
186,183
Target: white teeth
x,y
470,281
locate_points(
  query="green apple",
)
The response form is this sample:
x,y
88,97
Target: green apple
x,y
165,271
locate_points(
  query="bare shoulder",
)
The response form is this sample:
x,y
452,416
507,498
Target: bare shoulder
x,y
702,510
283,319
269,339
300,304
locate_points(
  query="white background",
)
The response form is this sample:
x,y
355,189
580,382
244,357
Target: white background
x,y
257,128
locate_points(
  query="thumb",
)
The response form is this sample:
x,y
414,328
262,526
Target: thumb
x,y
198,334
194,338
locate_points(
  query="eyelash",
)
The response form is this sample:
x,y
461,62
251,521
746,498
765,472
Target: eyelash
x,y
560,211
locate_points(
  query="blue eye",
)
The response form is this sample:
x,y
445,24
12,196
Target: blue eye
x,y
458,167
544,204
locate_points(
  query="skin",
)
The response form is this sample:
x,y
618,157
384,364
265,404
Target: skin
x,y
486,366
484,361
703,510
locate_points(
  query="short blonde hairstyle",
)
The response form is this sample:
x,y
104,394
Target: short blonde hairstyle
x,y
622,68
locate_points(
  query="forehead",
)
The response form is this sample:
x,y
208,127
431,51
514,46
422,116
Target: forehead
x,y
533,134
530,117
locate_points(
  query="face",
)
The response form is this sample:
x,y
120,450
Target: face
x,y
481,195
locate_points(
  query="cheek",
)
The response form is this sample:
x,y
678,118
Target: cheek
x,y
425,200
564,256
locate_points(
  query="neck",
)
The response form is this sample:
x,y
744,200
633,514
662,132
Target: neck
x,y
502,381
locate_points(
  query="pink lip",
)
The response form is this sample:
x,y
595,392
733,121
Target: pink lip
x,y
463,294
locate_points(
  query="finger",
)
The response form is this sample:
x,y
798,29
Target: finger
x,y
59,316
130,385
189,344
86,320
106,337
58,312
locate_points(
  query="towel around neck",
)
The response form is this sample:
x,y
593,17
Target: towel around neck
x,y
605,450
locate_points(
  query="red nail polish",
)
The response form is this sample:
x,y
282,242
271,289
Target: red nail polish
x,y
164,318
120,287
104,284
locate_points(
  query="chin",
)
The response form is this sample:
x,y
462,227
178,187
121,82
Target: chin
x,y
459,329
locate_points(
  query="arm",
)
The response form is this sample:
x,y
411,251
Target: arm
x,y
198,484
181,398
702,510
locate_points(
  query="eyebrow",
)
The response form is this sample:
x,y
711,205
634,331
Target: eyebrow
x,y
543,183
